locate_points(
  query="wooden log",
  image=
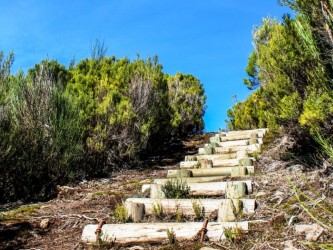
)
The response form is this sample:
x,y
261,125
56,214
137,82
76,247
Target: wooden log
x,y
136,233
261,132
235,137
201,151
189,164
238,171
216,163
213,188
215,138
202,180
226,144
183,173
171,206
135,211
205,163
226,211
253,139
190,158
194,179
217,156
235,189
241,154
246,162
249,148
230,162
208,150
156,192
229,209
227,171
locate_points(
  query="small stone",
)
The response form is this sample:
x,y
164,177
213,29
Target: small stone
x,y
312,231
279,193
44,223
289,245
297,167
261,194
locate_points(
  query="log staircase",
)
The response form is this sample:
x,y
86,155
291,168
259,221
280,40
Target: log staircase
x,y
228,155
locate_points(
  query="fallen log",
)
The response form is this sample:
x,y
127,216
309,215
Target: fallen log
x,y
227,171
206,189
135,233
186,206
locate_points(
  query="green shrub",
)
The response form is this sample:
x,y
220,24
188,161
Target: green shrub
x,y
175,189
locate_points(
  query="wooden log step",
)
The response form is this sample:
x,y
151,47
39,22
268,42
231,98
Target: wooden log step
x,y
136,233
227,171
208,188
249,148
186,206
216,163
226,144
260,132
189,164
237,137
216,156
194,179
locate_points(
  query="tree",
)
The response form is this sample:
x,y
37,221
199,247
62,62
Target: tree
x,y
187,103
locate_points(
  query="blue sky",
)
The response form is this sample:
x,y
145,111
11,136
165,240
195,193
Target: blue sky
x,y
210,39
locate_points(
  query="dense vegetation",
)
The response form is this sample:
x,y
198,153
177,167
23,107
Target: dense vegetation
x,y
60,124
291,72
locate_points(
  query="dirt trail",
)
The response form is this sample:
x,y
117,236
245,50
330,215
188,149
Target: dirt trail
x,y
75,207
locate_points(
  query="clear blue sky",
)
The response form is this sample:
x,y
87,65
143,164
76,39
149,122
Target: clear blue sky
x,y
210,39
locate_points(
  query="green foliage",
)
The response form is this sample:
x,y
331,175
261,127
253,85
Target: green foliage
x,y
58,125
42,139
291,67
121,213
235,234
171,236
187,103
175,189
20,213
326,144
158,211
198,210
